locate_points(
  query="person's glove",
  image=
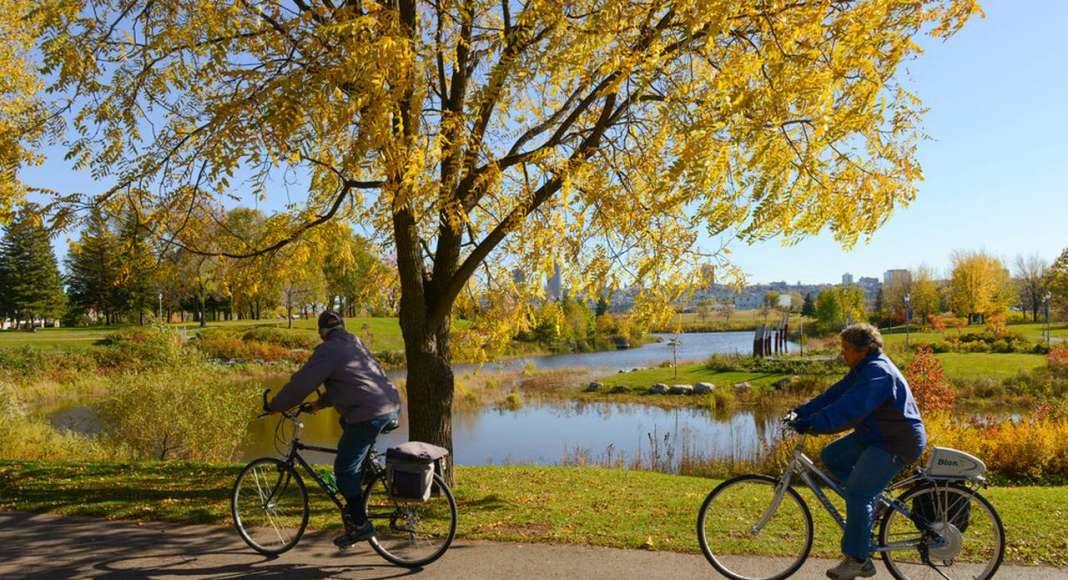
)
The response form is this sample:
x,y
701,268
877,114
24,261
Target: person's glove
x,y
802,425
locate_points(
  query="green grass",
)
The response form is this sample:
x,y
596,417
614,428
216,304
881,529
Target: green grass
x,y
996,365
604,507
384,333
1030,330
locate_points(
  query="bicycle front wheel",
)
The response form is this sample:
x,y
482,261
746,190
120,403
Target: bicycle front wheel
x,y
269,505
971,542
727,529
410,533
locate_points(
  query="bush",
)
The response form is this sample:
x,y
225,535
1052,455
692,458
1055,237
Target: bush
x,y
139,349
224,345
927,380
1057,361
31,362
291,339
775,365
189,413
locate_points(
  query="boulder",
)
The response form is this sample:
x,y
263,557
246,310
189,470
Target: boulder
x,y
703,388
592,387
742,386
681,390
619,389
658,389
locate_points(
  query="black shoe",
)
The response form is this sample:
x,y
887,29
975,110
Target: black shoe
x,y
355,535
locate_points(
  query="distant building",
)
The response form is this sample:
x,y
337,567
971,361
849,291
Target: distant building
x,y
554,287
847,279
892,277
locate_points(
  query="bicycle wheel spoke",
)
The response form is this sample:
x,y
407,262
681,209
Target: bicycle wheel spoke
x,y
270,506
966,538
411,533
726,529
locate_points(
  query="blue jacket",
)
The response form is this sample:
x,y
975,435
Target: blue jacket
x,y
876,401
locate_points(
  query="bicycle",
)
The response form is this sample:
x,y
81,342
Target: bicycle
x,y
269,505
950,527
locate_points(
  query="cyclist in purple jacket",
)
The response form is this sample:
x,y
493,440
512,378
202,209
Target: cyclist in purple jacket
x,y
875,401
364,397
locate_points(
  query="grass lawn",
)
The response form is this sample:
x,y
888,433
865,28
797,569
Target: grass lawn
x,y
1032,331
384,333
996,365
605,507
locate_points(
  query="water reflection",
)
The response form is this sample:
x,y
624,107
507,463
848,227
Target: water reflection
x,y
545,433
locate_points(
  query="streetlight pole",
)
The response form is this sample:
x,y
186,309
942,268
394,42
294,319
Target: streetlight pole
x,y
908,317
1045,302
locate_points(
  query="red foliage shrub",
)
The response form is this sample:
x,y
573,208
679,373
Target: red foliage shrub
x,y
927,379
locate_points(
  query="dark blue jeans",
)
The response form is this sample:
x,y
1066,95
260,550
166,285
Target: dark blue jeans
x,y
356,440
865,470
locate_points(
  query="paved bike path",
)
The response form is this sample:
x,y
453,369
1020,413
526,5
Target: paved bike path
x,y
49,546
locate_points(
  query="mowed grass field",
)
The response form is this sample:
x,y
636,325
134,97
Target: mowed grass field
x,y
594,506
382,332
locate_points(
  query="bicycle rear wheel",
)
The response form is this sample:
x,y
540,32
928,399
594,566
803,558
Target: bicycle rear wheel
x,y
974,539
726,522
410,533
269,505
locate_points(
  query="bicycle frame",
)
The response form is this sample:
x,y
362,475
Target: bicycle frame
x,y
805,469
294,457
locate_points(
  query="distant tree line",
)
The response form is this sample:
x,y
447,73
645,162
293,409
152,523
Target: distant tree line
x,y
117,272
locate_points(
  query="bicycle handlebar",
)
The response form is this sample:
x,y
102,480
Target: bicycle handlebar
x,y
292,416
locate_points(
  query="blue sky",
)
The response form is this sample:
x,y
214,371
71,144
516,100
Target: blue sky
x,y
996,165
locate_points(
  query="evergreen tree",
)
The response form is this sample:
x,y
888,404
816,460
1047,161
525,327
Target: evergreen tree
x,y
809,307
136,284
32,286
93,270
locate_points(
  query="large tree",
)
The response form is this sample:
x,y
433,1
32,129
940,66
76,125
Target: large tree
x,y
94,270
586,133
31,279
1031,276
1057,284
980,286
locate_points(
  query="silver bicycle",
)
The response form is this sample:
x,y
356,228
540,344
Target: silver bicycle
x,y
938,527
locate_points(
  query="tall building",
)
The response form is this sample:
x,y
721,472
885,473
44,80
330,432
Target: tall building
x,y
847,279
554,286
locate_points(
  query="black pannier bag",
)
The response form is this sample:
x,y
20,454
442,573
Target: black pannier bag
x,y
410,469
927,508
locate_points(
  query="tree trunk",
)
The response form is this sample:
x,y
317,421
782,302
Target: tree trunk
x,y
430,387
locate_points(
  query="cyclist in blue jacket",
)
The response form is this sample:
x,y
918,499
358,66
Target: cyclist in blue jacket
x,y
875,401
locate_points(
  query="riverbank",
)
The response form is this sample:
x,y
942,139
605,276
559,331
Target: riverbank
x,y
591,506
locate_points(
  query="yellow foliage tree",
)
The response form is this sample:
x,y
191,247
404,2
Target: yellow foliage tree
x,y
980,286
598,134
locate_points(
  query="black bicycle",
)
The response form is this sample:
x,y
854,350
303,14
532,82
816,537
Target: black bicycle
x,y
269,505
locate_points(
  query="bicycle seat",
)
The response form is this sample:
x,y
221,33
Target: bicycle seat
x,y
391,426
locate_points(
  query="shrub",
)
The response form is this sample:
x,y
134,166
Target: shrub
x,y
775,365
32,362
1057,360
1032,449
189,413
291,339
928,382
140,349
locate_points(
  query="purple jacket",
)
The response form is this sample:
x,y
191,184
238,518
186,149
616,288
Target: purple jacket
x,y
355,384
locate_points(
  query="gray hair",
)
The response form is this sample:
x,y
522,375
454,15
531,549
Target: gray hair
x,y
863,337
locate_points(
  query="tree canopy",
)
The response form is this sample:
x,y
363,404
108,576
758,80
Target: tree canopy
x,y
601,135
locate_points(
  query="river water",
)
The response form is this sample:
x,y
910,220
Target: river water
x,y
552,432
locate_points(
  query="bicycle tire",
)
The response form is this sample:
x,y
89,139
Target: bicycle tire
x,y
245,522
379,483
998,530
763,480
